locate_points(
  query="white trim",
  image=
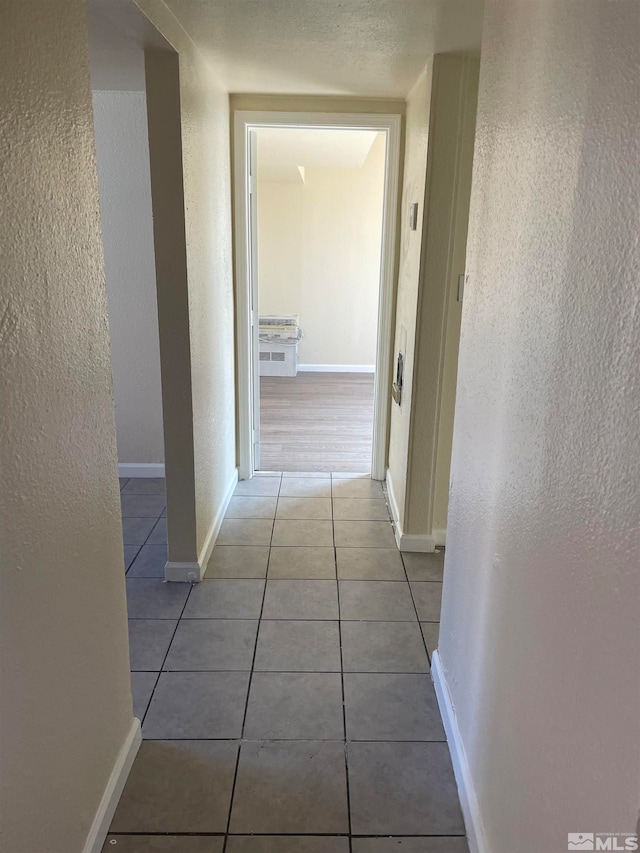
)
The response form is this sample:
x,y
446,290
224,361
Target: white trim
x,y
194,572
412,542
440,537
115,785
336,368
244,121
476,836
141,469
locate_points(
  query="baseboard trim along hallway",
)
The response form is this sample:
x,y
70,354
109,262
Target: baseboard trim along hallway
x,y
194,572
410,542
468,801
115,786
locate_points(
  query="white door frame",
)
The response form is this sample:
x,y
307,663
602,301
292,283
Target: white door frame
x,y
245,121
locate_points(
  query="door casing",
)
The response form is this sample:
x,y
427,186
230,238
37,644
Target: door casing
x,y
245,122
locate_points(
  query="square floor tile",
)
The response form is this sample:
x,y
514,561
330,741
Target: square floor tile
x,y
178,786
430,631
149,563
424,567
136,530
163,844
403,788
142,506
441,844
304,508
238,561
158,535
142,684
308,533
352,487
287,844
267,473
213,644
371,564
428,598
298,647
245,531
123,481
360,509
386,601
295,705
289,787
149,641
302,563
251,507
225,599
387,706
151,598
259,487
383,647
364,534
144,486
301,599
197,705
130,552
305,487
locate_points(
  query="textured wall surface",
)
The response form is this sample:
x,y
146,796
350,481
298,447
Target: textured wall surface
x,y
207,191
127,233
66,699
539,637
319,257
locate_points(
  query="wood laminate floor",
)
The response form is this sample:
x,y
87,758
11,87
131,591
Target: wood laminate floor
x,y
316,422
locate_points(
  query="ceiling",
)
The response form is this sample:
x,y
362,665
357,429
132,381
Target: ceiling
x,y
367,48
282,152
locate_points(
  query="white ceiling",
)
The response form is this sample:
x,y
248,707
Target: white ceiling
x,y
368,48
282,151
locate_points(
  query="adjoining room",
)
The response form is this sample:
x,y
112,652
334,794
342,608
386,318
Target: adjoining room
x,y
320,200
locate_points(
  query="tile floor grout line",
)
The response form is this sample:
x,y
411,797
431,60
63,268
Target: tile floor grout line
x,y
344,704
251,671
164,660
415,607
146,540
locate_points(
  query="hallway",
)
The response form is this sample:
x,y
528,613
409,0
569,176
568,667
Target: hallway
x,y
323,736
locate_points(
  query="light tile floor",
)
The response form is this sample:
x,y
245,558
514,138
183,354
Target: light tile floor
x,y
286,702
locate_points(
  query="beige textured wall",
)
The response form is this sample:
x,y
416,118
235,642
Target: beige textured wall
x,y
413,190
539,639
316,104
120,120
206,165
66,700
319,257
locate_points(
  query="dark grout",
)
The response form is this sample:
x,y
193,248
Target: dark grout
x,y
266,579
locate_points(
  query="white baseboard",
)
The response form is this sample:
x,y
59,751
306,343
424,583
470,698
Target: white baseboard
x,y
336,368
194,572
141,469
106,809
468,800
421,543
440,537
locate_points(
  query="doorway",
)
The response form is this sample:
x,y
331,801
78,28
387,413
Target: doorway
x,y
314,325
